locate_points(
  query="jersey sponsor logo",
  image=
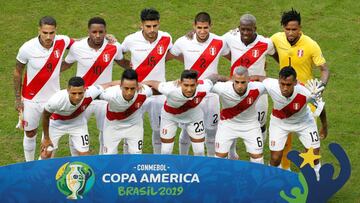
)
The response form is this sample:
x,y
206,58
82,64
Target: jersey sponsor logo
x,y
300,53
187,105
293,107
250,57
243,105
154,57
139,101
207,57
84,104
37,83
101,63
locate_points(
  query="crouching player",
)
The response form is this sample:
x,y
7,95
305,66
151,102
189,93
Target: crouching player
x,y
123,118
291,114
238,117
63,114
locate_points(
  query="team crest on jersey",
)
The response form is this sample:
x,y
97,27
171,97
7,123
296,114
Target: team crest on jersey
x,y
300,52
212,51
255,53
57,53
296,106
106,57
160,49
250,100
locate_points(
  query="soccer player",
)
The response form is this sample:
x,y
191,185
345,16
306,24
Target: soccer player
x,y
63,114
42,57
248,49
200,50
148,48
182,108
293,48
238,117
290,114
123,116
95,57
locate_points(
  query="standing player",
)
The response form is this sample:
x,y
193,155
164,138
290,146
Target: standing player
x,y
94,56
148,48
63,114
200,51
42,57
123,116
182,108
249,49
290,114
301,52
238,118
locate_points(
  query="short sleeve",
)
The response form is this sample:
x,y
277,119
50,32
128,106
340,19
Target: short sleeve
x,y
166,87
271,48
269,83
70,57
147,91
52,104
218,88
125,45
94,91
119,54
317,56
176,48
226,47
109,93
22,55
208,85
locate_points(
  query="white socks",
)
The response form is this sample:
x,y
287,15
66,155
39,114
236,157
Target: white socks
x,y
101,142
210,142
257,160
198,148
156,142
184,142
167,148
317,171
29,144
232,153
73,151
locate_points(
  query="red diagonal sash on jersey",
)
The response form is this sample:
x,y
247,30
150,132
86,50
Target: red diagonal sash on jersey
x,y
129,111
207,57
84,104
30,90
249,100
102,61
250,57
293,107
153,58
188,105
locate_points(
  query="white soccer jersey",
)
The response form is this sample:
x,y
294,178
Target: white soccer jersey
x,y
42,67
293,109
180,108
66,115
236,109
148,59
121,112
201,56
252,56
94,66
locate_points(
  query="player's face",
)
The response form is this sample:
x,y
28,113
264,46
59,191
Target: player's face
x,y
47,35
292,31
150,29
76,94
247,31
202,30
287,85
128,88
97,33
188,87
240,83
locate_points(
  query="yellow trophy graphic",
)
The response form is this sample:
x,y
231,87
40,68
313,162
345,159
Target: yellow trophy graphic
x,y
75,181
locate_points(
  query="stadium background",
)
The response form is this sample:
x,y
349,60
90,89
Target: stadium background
x,y
333,24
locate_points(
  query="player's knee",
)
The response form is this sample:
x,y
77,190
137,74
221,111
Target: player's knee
x,y
256,156
166,140
31,133
197,140
275,158
221,155
83,153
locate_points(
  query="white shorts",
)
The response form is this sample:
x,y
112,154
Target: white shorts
x,y
32,114
168,128
211,108
279,130
228,132
113,134
261,107
98,107
153,106
79,136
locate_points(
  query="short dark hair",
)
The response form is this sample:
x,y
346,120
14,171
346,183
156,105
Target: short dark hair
x,y
129,74
76,82
96,20
202,17
189,74
47,20
149,14
288,16
286,72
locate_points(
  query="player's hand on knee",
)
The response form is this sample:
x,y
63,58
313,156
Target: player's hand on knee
x,y
46,149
